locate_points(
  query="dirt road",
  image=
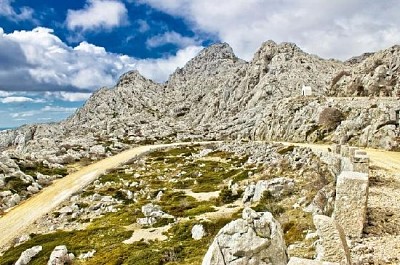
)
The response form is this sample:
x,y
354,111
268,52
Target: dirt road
x,y
16,221
387,160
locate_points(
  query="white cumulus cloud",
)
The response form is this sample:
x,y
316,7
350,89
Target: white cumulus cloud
x,y
38,60
6,10
68,96
20,99
97,14
338,29
171,37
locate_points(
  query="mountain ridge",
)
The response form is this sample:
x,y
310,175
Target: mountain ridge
x,y
217,95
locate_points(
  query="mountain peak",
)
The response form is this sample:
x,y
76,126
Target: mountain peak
x,y
217,51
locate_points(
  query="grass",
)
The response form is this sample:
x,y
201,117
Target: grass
x,y
180,205
166,170
15,184
106,235
34,168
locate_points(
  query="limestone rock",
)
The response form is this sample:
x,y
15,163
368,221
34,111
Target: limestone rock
x,y
198,232
87,255
275,186
152,214
28,254
332,245
256,238
351,202
60,256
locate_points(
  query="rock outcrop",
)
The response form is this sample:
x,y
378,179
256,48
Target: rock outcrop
x,y
152,213
256,238
28,254
216,95
60,256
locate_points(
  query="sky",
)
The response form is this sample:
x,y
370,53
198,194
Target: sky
x,y
54,54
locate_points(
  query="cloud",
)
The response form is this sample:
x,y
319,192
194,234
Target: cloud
x,y
57,109
171,37
6,10
24,114
38,60
143,26
98,14
42,111
160,69
5,93
338,29
68,96
20,100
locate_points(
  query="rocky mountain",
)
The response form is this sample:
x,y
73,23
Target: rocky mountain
x,y
216,95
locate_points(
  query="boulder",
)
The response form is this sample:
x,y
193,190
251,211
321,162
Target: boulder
x,y
256,238
28,254
249,192
60,256
332,245
198,232
152,214
275,186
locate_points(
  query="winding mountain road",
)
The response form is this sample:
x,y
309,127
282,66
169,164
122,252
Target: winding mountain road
x,y
15,222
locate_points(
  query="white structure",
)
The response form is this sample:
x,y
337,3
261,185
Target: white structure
x,y
306,91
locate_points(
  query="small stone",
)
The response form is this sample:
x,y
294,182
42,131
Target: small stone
x,y
198,232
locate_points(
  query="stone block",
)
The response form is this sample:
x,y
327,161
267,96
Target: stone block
x,y
351,202
352,151
344,150
361,163
299,261
332,245
360,153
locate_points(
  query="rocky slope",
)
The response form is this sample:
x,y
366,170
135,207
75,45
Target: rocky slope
x,y
217,95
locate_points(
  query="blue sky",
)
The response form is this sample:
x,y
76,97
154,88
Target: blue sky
x,y
54,54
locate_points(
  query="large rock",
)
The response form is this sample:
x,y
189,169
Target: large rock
x,y
275,187
28,254
351,202
60,256
332,245
256,238
152,214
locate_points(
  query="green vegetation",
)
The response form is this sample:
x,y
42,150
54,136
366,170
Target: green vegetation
x,y
226,196
15,184
180,205
167,171
34,168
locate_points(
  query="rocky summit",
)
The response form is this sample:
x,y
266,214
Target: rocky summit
x,y
219,96
259,162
